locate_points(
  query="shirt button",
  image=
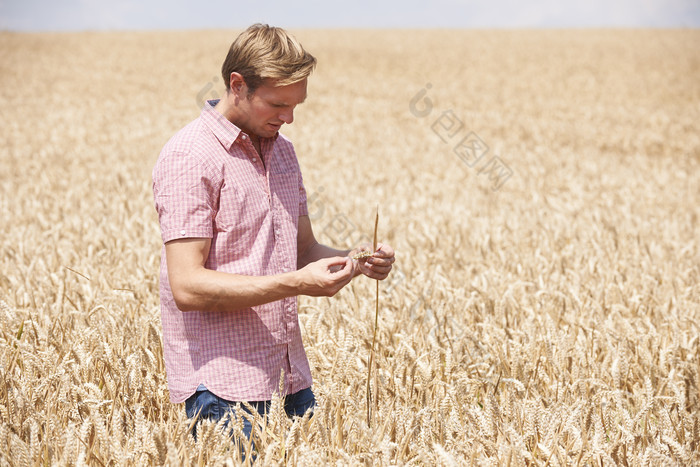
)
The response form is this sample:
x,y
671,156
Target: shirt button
x,y
255,160
183,232
243,136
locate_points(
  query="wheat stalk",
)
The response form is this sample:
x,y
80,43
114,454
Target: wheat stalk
x,y
374,335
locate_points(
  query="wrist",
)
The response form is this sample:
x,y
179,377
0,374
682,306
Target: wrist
x,y
294,282
357,272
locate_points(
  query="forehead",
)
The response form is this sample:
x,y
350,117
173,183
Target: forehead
x,y
290,94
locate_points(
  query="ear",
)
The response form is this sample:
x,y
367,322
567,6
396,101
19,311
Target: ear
x,y
237,84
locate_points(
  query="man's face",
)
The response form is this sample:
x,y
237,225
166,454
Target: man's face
x,y
269,107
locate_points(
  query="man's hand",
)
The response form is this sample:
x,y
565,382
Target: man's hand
x,y
379,264
325,277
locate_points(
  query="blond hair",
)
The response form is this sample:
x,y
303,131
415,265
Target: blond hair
x,y
262,53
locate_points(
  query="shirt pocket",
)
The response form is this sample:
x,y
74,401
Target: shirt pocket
x,y
243,207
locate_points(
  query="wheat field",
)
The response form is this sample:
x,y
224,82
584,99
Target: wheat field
x,y
541,189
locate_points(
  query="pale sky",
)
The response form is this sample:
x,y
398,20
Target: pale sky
x,y
77,15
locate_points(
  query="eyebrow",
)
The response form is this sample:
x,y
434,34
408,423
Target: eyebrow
x,y
284,104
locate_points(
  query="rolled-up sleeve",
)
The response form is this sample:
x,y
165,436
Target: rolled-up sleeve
x,y
186,197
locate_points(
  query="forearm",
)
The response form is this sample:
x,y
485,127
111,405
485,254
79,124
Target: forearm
x,y
196,288
208,290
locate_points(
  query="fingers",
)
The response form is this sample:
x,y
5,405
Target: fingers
x,y
337,262
376,274
379,265
377,270
339,267
382,259
383,251
380,262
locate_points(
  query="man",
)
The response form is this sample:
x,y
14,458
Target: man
x,y
238,243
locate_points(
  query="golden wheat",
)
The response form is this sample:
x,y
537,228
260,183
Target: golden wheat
x,y
549,319
362,254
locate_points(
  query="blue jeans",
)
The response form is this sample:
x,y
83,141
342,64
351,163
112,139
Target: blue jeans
x,y
209,406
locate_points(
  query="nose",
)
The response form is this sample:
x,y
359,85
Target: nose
x,y
287,116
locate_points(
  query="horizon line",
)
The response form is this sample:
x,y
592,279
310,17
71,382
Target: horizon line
x,y
360,28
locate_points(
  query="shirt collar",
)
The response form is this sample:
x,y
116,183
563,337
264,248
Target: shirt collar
x,y
225,131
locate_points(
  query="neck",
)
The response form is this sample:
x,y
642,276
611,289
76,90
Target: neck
x,y
225,108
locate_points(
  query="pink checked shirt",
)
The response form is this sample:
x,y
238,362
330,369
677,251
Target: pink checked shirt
x,y
209,182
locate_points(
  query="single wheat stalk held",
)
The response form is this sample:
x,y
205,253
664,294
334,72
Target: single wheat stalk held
x,y
374,336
